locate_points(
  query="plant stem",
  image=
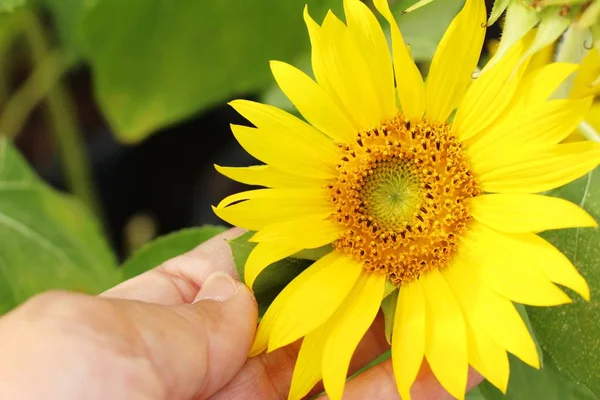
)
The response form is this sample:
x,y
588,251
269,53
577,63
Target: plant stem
x,y
62,117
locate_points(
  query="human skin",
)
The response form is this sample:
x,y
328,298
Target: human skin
x,y
179,331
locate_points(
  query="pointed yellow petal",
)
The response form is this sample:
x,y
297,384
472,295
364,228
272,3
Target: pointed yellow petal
x,y
255,209
366,33
552,262
538,85
455,60
313,102
445,337
409,81
307,232
543,124
490,312
310,299
307,370
348,326
517,213
263,255
408,338
543,170
502,267
348,74
586,81
488,357
489,95
287,152
266,175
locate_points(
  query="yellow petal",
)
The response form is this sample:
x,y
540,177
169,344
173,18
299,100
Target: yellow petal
x,y
366,33
488,357
543,170
263,255
489,95
488,311
266,175
348,326
543,124
538,85
408,338
552,262
409,81
503,268
310,299
287,152
313,102
455,60
348,75
445,337
307,232
307,370
255,209
586,82
516,213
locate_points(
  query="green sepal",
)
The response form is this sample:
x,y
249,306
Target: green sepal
x,y
388,306
499,7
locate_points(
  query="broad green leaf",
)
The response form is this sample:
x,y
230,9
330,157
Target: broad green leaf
x,y
571,333
165,247
527,383
273,279
157,62
47,239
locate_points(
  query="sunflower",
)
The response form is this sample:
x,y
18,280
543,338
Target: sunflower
x,y
428,188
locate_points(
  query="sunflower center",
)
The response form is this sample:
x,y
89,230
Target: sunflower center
x,y
402,193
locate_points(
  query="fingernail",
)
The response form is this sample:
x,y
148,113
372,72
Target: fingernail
x,y
218,286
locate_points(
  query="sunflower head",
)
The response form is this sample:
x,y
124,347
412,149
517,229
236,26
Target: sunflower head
x,y
428,185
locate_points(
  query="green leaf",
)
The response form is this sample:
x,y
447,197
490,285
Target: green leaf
x,y
155,62
527,383
272,279
168,246
571,333
47,239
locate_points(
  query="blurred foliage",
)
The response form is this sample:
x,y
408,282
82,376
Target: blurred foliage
x,y
155,63
165,247
48,239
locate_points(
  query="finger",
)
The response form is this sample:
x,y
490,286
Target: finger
x,y
379,383
196,349
268,375
178,280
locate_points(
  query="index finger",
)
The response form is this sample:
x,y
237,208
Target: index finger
x,y
178,280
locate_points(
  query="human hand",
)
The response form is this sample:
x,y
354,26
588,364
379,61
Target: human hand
x,y
180,331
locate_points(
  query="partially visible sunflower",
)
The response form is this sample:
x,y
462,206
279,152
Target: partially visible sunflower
x,y
445,211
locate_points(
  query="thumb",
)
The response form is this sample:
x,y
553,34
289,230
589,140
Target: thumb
x,y
196,349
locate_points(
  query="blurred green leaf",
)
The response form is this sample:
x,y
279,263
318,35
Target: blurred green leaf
x,y
10,5
47,239
420,32
272,279
168,246
157,62
527,383
571,333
